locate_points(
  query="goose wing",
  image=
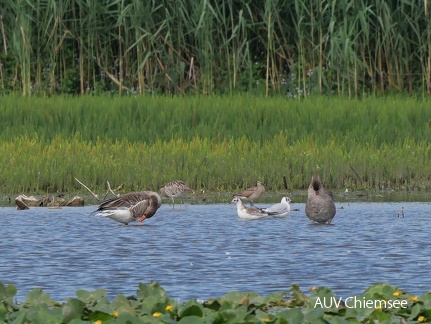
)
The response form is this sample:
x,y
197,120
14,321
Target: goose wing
x,y
129,200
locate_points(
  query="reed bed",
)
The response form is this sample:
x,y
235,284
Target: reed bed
x,y
295,47
215,143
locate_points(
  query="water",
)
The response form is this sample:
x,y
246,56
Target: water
x,y
205,251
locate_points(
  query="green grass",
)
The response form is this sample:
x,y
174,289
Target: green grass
x,y
216,143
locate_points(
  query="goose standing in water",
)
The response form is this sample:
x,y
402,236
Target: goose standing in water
x,y
280,209
177,188
131,207
252,193
246,212
320,207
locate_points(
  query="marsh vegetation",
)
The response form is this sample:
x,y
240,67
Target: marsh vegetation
x,y
176,47
219,143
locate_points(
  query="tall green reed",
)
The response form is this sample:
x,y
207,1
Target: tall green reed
x,y
175,47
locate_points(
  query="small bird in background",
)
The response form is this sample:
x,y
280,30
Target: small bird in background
x,y
133,206
173,189
320,206
252,193
401,213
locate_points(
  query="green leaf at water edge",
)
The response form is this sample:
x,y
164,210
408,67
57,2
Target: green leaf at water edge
x,y
212,304
228,316
236,298
91,297
416,310
152,289
425,299
151,305
314,316
192,320
357,312
380,291
18,317
339,320
380,317
41,314
73,308
293,315
122,305
38,297
7,302
128,319
297,297
7,291
100,316
261,315
277,299
191,308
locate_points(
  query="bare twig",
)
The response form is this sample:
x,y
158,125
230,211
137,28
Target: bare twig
x,y
94,195
111,191
121,186
109,188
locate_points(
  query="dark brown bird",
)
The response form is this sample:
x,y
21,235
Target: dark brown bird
x,y
131,207
252,193
320,207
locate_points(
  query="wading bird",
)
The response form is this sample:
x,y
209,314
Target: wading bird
x,y
173,189
252,193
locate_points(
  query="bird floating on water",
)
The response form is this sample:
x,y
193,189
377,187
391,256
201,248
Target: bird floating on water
x,y
320,206
252,193
133,206
279,209
173,189
247,212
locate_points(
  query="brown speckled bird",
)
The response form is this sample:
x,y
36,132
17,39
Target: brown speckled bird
x,y
173,189
252,193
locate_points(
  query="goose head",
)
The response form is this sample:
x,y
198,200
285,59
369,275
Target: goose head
x,y
315,182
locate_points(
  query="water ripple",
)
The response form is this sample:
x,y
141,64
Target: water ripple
x,y
205,251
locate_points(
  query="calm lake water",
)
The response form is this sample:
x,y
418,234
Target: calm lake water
x,y
205,251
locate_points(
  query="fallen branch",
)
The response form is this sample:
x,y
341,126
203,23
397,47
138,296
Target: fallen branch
x,y
107,192
110,190
94,195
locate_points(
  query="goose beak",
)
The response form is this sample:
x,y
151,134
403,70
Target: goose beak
x,y
143,217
